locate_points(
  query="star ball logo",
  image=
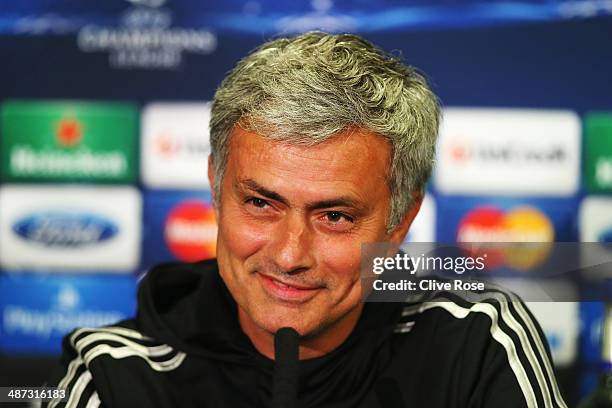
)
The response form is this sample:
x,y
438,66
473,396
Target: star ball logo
x,y
520,237
191,231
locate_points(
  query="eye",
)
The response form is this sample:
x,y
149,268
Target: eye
x,y
257,202
337,221
337,217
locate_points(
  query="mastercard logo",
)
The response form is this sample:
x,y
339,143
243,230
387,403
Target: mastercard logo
x,y
190,231
520,238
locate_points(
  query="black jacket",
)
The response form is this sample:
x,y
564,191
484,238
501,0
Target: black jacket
x,y
185,348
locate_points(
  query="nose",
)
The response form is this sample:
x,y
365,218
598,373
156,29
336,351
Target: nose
x,y
291,245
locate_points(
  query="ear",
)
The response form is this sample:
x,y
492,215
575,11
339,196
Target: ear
x,y
211,182
398,234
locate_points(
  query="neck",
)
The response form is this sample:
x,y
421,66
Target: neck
x,y
310,347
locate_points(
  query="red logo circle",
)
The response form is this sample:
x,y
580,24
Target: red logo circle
x,y
69,132
191,231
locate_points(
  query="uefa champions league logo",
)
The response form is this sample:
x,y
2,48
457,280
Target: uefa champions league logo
x,y
145,38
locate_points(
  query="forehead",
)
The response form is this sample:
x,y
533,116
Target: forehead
x,y
355,156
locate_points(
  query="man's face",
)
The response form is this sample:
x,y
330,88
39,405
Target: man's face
x,y
291,223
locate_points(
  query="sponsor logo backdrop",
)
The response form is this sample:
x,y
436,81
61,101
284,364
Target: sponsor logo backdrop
x,y
36,310
103,147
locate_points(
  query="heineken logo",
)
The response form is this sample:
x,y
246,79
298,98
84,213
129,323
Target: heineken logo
x,y
77,140
26,161
69,132
598,152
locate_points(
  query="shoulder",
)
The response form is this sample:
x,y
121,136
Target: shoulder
x,y
495,328
120,342
493,305
96,360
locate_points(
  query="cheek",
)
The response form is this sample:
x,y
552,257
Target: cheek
x,y
342,253
341,256
239,237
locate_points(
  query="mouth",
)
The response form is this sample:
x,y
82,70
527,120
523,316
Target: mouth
x,y
285,291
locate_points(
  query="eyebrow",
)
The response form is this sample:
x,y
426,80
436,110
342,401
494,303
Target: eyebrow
x,y
259,189
342,201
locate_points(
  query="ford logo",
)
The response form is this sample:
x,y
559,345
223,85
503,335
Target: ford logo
x,y
65,229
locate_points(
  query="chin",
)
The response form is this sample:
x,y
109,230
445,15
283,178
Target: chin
x,y
278,318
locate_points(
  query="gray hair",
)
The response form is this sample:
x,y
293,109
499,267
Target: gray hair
x,y
309,88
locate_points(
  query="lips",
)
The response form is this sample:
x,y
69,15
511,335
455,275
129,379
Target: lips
x,y
287,291
291,285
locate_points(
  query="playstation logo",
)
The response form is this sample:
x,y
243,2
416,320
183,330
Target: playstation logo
x,y
68,298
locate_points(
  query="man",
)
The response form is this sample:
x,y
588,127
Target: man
x,y
319,143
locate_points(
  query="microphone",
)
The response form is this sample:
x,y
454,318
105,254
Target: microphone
x,y
285,385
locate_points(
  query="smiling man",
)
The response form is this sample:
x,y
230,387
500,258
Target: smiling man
x,y
320,143
292,220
